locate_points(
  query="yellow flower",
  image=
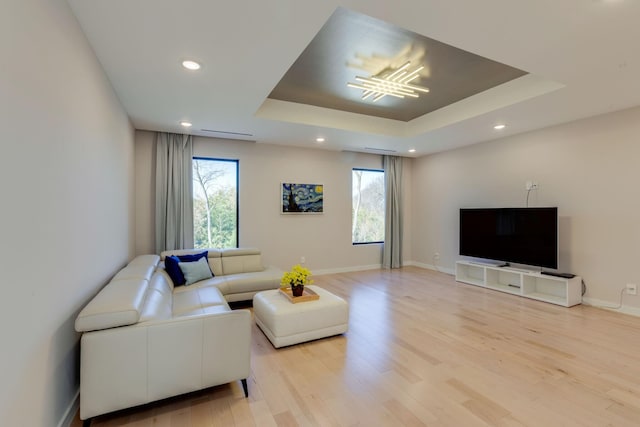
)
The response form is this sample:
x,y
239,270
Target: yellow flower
x,y
298,275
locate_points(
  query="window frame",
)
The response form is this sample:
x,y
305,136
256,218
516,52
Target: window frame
x,y
376,242
237,162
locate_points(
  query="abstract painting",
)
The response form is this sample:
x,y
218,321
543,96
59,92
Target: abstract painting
x,y
302,198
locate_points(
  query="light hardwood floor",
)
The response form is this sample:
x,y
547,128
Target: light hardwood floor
x,y
423,349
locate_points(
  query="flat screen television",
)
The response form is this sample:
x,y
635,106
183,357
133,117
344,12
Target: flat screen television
x,y
519,235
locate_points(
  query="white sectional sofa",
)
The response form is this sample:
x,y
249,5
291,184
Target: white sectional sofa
x,y
144,339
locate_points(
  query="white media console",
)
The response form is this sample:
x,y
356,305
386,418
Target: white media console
x,y
528,284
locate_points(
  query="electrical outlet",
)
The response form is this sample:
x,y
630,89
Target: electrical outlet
x,y
531,185
436,256
632,289
302,260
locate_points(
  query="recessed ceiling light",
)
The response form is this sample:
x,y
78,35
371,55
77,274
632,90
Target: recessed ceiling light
x,y
191,65
186,124
499,127
413,150
320,139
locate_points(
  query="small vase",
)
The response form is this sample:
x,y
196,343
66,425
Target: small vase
x,y
297,290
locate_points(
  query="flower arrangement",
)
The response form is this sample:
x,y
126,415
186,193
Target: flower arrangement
x,y
296,278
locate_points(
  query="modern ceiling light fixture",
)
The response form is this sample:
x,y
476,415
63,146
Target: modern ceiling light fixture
x,y
186,124
499,127
392,83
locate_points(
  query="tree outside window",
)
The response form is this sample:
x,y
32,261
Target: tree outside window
x,y
215,203
368,206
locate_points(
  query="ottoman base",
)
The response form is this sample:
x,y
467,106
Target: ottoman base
x,y
284,323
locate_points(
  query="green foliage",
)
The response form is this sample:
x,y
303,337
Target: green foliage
x,y
214,205
368,208
222,220
370,227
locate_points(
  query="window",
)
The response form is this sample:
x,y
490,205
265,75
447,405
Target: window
x,y
215,203
368,206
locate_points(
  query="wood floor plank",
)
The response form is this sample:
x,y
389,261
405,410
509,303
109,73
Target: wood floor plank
x,y
423,349
285,419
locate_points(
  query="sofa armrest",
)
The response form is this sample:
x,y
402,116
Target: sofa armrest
x,y
138,364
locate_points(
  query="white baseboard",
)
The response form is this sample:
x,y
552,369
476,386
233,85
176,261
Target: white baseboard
x,y
611,306
347,269
70,413
379,266
449,271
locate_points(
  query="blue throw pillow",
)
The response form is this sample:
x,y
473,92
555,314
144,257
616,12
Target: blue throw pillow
x,y
195,271
194,257
171,265
173,270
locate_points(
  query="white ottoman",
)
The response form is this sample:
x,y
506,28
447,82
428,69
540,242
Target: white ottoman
x,y
285,323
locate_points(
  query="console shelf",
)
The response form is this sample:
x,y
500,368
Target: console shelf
x,y
528,284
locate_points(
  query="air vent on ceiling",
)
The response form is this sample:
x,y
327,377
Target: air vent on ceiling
x,y
226,132
380,150
238,135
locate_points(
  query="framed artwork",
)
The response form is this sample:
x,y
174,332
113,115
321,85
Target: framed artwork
x,y
301,198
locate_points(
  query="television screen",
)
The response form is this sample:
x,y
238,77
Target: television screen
x,y
519,235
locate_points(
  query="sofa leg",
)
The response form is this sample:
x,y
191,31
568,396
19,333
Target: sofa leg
x,y
86,423
244,386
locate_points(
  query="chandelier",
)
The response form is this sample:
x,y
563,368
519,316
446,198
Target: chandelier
x,y
390,82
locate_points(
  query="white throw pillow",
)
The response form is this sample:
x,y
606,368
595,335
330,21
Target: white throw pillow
x,y
195,271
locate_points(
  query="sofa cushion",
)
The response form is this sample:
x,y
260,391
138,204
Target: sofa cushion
x,y
161,280
251,282
159,299
217,281
241,260
195,271
117,304
135,271
196,298
145,260
157,306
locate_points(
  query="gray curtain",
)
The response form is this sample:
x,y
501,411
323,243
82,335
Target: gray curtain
x,y
174,196
392,252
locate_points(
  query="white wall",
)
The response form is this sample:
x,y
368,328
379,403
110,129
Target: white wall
x,y
588,168
67,203
324,240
